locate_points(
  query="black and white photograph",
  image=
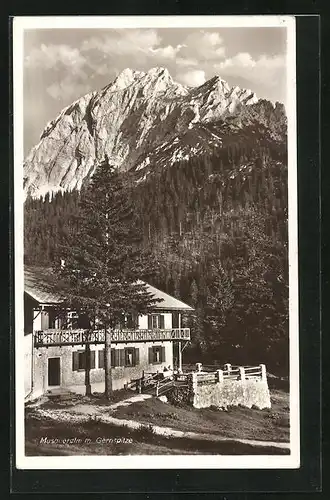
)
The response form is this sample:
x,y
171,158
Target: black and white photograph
x,y
156,276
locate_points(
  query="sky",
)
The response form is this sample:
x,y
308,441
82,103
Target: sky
x,y
61,65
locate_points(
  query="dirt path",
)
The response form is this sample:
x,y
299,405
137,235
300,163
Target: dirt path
x,y
87,412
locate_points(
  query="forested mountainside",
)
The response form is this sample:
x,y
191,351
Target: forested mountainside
x,y
216,222
133,121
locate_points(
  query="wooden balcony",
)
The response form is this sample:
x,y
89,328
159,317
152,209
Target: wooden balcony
x,y
53,337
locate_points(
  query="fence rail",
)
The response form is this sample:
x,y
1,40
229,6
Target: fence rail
x,y
152,383
229,372
54,337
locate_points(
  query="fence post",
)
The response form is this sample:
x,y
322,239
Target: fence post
x,y
227,367
199,367
263,372
219,375
242,372
157,388
139,386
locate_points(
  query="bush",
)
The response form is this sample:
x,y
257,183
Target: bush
x,y
180,396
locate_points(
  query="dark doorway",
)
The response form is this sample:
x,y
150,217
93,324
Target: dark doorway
x,y
54,371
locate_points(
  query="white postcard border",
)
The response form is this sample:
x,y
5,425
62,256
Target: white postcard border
x,y
291,461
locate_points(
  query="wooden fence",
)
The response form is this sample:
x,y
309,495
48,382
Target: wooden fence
x,y
55,337
153,383
230,372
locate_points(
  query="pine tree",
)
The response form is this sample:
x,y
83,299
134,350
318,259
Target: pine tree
x,y
219,301
104,264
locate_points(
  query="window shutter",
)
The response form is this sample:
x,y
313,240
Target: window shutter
x,y
149,322
44,320
117,358
175,320
75,360
81,360
121,357
161,321
162,354
137,356
92,359
150,355
101,358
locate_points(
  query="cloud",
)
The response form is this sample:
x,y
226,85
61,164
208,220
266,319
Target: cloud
x,y
168,52
144,47
62,65
264,69
137,49
68,88
181,61
203,45
72,71
123,42
192,78
52,55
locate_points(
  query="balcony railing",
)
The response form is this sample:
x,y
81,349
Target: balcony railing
x,y
53,337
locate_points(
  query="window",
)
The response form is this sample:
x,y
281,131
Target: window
x,y
131,321
55,321
175,320
72,320
128,321
121,357
44,320
131,356
156,354
79,360
156,321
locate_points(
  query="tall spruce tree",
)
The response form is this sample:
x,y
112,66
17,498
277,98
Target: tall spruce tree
x,y
103,262
219,300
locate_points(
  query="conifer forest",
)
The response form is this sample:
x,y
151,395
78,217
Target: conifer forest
x,y
216,226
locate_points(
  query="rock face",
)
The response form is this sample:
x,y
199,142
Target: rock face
x,y
247,393
130,120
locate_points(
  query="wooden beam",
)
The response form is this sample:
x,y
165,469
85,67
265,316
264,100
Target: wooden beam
x,y
87,369
179,345
52,337
107,364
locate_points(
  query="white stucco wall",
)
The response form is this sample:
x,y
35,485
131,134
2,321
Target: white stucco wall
x,y
41,320
143,321
168,320
36,320
27,363
69,378
121,375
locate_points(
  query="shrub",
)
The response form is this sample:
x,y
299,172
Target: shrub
x,y
180,396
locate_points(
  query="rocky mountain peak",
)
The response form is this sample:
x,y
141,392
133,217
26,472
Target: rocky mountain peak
x,y
133,77
159,72
137,113
125,78
217,83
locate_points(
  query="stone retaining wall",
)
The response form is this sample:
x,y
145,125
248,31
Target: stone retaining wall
x,y
247,393
245,386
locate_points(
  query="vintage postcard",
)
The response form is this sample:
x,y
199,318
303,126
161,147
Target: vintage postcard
x,y
156,276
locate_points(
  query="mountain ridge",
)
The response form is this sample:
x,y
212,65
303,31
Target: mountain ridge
x,y
131,118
